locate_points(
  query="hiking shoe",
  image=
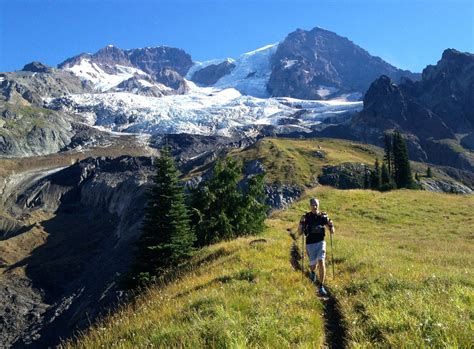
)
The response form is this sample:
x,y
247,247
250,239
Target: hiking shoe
x,y
312,276
322,291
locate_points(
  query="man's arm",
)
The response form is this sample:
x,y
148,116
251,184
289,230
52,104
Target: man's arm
x,y
301,225
331,226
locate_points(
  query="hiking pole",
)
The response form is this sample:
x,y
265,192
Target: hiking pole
x,y
302,256
332,255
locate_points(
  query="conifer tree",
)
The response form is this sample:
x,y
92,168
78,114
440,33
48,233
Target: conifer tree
x,y
254,206
388,148
429,172
221,210
386,182
375,176
402,171
166,239
216,203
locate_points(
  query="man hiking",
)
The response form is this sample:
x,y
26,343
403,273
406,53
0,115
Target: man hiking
x,y
312,226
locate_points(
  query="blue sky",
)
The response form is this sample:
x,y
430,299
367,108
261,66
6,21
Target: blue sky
x,y
407,33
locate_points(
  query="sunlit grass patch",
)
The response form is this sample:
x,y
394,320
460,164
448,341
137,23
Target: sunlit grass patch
x,y
403,262
238,295
404,266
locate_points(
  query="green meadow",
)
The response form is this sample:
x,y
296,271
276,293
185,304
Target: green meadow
x,y
403,272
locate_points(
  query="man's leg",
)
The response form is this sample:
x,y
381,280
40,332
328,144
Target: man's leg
x,y
312,262
321,271
312,274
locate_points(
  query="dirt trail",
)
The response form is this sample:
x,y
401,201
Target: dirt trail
x,y
335,330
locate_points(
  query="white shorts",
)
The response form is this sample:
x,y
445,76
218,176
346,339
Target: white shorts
x,y
316,252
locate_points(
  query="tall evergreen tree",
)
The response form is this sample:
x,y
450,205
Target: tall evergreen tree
x,y
166,239
386,182
216,203
221,210
255,209
375,176
388,156
402,171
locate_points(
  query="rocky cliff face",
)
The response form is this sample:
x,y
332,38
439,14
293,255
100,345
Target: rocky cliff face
x,y
318,63
90,215
212,73
447,89
435,114
36,82
26,127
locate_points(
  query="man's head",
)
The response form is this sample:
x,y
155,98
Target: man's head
x,y
314,203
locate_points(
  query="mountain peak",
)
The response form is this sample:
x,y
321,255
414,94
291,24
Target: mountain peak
x,y
37,67
318,64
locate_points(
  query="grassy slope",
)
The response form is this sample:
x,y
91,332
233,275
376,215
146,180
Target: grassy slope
x,y
400,281
403,262
295,161
236,295
404,266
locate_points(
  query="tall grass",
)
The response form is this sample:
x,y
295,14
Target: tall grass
x,y
238,295
404,263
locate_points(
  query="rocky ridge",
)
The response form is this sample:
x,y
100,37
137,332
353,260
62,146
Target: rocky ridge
x,y
434,114
165,65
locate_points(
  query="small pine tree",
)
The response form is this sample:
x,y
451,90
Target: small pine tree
x,y
222,211
166,239
417,177
375,176
216,203
255,209
402,171
429,173
386,179
388,149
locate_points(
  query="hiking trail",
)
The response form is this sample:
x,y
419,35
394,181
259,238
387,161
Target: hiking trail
x,y
335,330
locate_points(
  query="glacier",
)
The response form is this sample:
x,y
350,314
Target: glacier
x,y
203,111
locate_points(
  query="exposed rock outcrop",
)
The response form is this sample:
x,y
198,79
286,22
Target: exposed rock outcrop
x,y
26,131
345,176
37,82
143,86
444,186
212,73
37,67
282,196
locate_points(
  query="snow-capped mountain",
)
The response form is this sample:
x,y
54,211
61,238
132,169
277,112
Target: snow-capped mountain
x,y
316,65
111,65
160,90
305,82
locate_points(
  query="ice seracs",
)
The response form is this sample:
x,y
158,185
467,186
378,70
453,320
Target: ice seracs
x,y
204,111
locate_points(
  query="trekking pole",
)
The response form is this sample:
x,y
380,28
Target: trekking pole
x,y
302,256
332,256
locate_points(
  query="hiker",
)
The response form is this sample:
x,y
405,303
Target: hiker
x,y
312,226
